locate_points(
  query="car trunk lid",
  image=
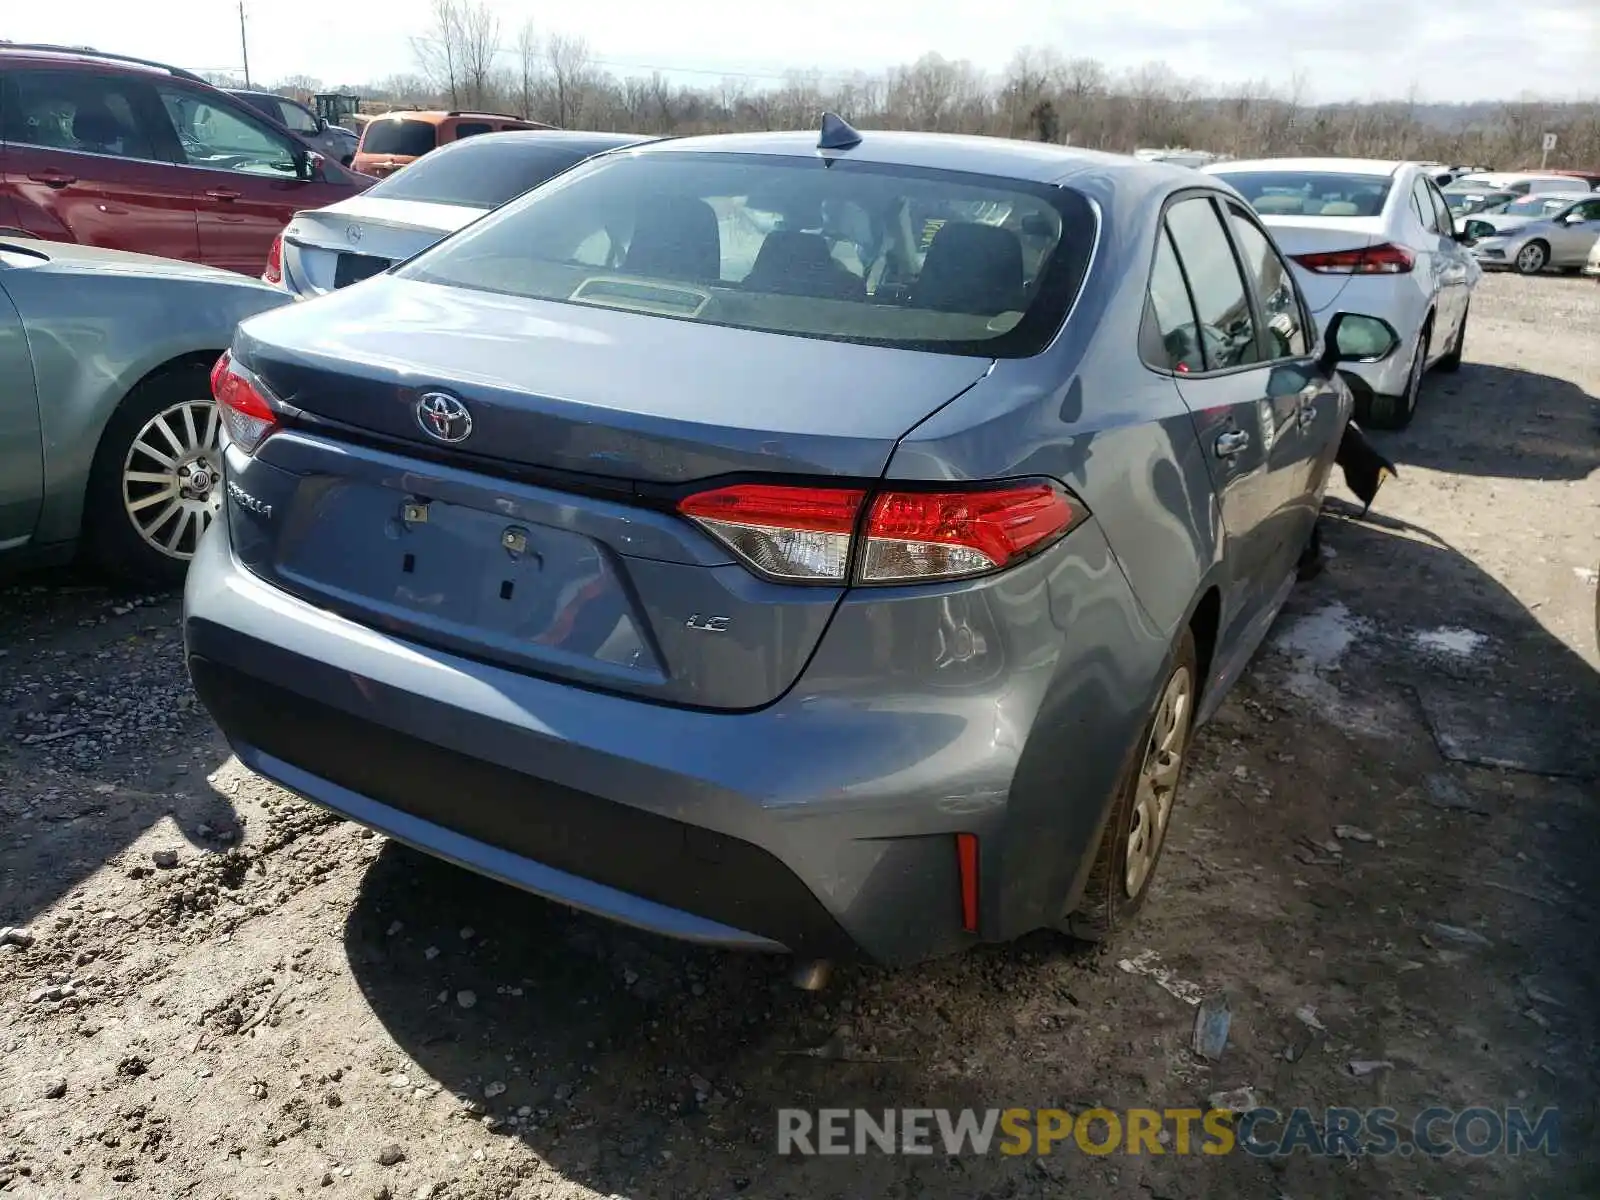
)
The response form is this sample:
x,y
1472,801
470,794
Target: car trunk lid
x,y
1322,235
332,247
546,539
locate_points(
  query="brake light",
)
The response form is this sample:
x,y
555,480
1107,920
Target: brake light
x,y
791,533
807,535
1383,259
274,271
247,415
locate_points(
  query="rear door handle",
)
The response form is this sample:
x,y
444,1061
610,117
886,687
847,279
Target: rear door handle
x,y
55,179
222,194
1231,443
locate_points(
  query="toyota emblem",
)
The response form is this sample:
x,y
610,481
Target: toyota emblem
x,y
353,232
443,417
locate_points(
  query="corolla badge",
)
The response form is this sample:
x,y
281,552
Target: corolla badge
x,y
443,417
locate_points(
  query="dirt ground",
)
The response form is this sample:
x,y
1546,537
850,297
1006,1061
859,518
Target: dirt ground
x,y
297,1007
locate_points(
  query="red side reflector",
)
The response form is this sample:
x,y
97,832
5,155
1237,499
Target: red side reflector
x,y
967,865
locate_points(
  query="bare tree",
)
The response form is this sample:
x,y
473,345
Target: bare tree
x,y
571,66
530,67
480,42
440,51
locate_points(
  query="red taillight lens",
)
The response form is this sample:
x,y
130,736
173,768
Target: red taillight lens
x,y
274,271
247,416
790,533
1382,259
804,534
941,535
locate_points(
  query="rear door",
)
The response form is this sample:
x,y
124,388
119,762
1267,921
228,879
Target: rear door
x,y
243,178
1200,326
87,160
1305,401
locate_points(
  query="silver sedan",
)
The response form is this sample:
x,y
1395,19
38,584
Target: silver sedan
x,y
1550,230
108,433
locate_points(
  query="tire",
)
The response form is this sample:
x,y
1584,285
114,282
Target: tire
x,y
1118,884
1452,358
142,519
1532,258
1395,412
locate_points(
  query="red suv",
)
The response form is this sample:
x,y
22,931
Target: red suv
x,y
111,151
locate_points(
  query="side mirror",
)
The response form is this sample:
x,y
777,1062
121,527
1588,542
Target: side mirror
x,y
1573,218
1462,236
1357,338
322,124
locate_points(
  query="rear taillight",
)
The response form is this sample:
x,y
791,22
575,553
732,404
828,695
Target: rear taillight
x,y
1382,259
274,271
247,415
810,535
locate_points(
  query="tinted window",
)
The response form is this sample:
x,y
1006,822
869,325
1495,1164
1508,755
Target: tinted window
x,y
409,138
296,118
1443,221
1220,299
95,114
1171,335
790,245
1280,303
1590,210
1422,205
1311,193
485,174
466,129
223,138
1537,206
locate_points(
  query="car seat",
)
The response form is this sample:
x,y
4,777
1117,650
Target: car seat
x,y
972,268
800,264
676,237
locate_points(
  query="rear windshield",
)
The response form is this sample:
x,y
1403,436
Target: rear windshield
x,y
1311,193
856,252
484,174
410,138
1538,206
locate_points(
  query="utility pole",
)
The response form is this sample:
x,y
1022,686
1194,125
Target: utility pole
x,y
244,45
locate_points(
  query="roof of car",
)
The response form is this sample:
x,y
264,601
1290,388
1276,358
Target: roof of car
x,y
1342,166
1563,197
544,137
1041,162
434,115
89,55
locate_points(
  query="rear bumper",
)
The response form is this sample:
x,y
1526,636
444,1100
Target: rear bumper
x,y
823,825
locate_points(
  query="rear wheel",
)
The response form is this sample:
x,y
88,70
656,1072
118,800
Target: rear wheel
x,y
1131,845
156,480
1532,258
1395,412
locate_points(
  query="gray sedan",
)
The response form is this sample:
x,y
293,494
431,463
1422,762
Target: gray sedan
x,y
793,543
1548,230
108,434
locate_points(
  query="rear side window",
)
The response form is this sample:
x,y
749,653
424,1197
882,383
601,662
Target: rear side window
x,y
411,139
466,129
1422,205
1227,326
1280,303
1171,336
791,245
89,113
482,174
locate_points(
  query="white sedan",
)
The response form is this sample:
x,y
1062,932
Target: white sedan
x,y
1374,237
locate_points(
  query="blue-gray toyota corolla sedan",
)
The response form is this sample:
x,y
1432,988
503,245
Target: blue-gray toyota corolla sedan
x,y
820,545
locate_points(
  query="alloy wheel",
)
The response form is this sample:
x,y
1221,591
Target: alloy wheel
x,y
171,477
1530,259
1159,773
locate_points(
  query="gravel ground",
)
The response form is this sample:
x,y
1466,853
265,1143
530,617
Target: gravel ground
x,y
223,992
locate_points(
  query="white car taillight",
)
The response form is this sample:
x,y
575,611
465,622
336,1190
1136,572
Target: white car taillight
x,y
809,535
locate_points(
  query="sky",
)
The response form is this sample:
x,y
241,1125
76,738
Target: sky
x,y
1439,50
